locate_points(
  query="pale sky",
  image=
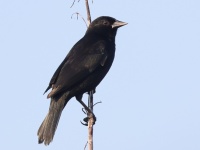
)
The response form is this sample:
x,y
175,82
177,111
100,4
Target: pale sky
x,y
150,97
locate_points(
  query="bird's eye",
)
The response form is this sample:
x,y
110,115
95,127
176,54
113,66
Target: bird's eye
x,y
105,23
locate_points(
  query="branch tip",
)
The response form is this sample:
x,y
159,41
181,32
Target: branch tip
x,y
78,14
97,103
72,4
85,145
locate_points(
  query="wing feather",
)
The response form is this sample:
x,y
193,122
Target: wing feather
x,y
79,63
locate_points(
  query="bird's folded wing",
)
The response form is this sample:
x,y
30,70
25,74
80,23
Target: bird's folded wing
x,y
78,65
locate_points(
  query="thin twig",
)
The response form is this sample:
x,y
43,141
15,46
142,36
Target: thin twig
x,y
85,145
90,121
90,97
88,12
90,104
72,4
97,103
78,14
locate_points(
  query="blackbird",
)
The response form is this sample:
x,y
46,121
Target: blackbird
x,y
81,71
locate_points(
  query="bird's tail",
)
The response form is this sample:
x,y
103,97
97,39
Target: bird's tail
x,y
48,127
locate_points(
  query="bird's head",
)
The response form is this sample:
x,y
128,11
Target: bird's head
x,y
105,26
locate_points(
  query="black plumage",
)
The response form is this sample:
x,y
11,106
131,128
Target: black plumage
x,y
81,71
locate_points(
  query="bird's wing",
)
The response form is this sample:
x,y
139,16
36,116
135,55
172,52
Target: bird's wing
x,y
79,63
55,75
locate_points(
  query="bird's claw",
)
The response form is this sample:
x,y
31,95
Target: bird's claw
x,y
86,119
85,124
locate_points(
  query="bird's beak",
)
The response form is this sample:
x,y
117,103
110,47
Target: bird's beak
x,y
118,24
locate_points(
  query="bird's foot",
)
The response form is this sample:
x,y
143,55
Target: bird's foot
x,y
90,117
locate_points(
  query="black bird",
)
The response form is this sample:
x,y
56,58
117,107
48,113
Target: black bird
x,y
81,71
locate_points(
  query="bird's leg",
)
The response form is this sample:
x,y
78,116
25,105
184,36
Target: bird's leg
x,y
89,113
85,106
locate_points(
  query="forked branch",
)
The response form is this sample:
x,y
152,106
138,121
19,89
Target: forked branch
x,y
77,15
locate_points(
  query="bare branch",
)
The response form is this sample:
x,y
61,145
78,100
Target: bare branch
x,y
88,12
85,145
90,132
97,103
80,0
72,4
78,14
91,121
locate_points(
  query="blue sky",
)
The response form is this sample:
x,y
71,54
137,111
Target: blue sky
x,y
150,98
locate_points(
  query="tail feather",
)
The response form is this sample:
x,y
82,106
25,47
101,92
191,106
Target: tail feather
x,y
48,127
